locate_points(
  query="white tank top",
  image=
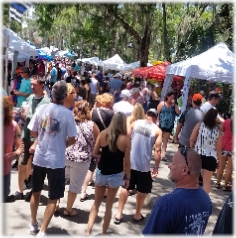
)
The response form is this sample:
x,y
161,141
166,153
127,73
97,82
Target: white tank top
x,y
206,141
93,86
143,139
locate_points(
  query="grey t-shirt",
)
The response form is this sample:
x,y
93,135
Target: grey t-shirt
x,y
189,119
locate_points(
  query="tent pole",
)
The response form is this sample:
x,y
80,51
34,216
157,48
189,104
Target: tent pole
x,y
6,53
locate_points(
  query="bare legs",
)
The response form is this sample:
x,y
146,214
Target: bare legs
x,y
99,193
88,178
166,136
123,196
229,170
139,205
206,175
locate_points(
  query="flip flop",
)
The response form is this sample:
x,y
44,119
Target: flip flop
x,y
141,219
84,198
118,221
70,214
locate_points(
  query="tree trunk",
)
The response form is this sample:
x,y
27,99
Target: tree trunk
x,y
144,46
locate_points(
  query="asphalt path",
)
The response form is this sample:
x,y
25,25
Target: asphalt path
x,y
16,217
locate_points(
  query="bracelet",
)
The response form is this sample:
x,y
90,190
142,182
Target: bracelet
x,y
156,167
127,178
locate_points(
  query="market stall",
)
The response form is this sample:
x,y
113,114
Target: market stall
x,y
216,65
114,63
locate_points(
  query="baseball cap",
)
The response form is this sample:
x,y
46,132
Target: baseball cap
x,y
197,97
154,111
125,93
117,75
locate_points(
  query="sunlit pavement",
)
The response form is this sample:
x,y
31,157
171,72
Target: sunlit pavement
x,y
17,214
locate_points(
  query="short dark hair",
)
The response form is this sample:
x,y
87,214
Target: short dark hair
x,y
210,118
214,94
198,102
169,93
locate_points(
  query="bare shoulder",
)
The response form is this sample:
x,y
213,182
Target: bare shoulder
x,y
158,131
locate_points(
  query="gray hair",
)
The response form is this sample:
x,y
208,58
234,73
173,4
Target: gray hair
x,y
59,90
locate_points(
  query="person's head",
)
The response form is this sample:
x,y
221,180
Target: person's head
x,y
59,92
138,112
123,86
185,167
25,72
170,96
104,100
31,63
152,114
82,82
135,92
81,111
214,98
57,64
210,118
116,127
7,110
197,99
71,92
117,76
37,84
125,94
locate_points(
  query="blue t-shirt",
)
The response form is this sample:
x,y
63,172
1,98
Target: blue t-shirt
x,y
25,87
183,211
115,85
53,74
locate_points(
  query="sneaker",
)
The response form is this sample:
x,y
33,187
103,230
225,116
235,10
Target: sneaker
x,y
41,234
28,196
10,198
33,228
18,195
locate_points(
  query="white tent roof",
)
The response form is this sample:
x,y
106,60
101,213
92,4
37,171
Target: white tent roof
x,y
93,61
216,64
20,57
114,63
17,44
134,65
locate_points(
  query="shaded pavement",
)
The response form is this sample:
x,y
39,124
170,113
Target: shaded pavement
x,y
17,214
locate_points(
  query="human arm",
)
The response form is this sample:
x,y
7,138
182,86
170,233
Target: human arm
x,y
96,131
220,120
219,146
17,143
96,149
177,111
127,161
178,129
157,152
154,96
194,135
159,107
70,141
98,87
17,93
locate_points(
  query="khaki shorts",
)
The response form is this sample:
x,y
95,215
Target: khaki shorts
x,y
24,157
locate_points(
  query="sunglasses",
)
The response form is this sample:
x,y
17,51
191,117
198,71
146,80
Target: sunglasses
x,y
183,151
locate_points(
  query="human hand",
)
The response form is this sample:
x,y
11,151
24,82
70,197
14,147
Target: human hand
x,y
16,92
32,148
154,173
126,183
10,156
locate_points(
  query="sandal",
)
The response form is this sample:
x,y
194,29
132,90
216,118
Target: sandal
x,y
138,220
217,185
84,198
70,214
226,189
118,221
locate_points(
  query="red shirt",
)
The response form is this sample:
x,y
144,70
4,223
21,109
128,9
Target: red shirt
x,y
9,133
227,139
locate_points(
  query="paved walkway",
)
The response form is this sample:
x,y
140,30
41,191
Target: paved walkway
x,y
17,214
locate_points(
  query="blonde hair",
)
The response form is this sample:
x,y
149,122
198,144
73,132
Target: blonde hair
x,y
116,127
105,99
81,111
138,112
70,88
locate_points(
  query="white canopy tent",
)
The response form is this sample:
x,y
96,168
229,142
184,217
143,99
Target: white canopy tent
x,y
114,63
15,43
20,57
134,65
94,61
216,64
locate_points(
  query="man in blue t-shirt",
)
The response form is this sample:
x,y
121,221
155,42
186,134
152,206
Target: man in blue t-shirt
x,y
186,210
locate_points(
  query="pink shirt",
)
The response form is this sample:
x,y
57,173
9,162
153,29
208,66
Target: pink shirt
x,y
227,139
9,133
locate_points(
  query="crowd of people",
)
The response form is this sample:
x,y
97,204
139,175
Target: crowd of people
x,y
83,126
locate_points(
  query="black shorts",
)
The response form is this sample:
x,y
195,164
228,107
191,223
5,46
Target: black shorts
x,y
142,180
24,157
209,163
92,165
56,181
169,130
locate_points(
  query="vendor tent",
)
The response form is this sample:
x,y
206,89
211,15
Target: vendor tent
x,y
94,61
114,63
20,57
134,65
15,43
216,64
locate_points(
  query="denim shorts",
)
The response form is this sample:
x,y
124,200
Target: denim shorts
x,y
113,180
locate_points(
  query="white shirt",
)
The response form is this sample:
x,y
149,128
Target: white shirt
x,y
206,107
94,86
123,106
54,123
